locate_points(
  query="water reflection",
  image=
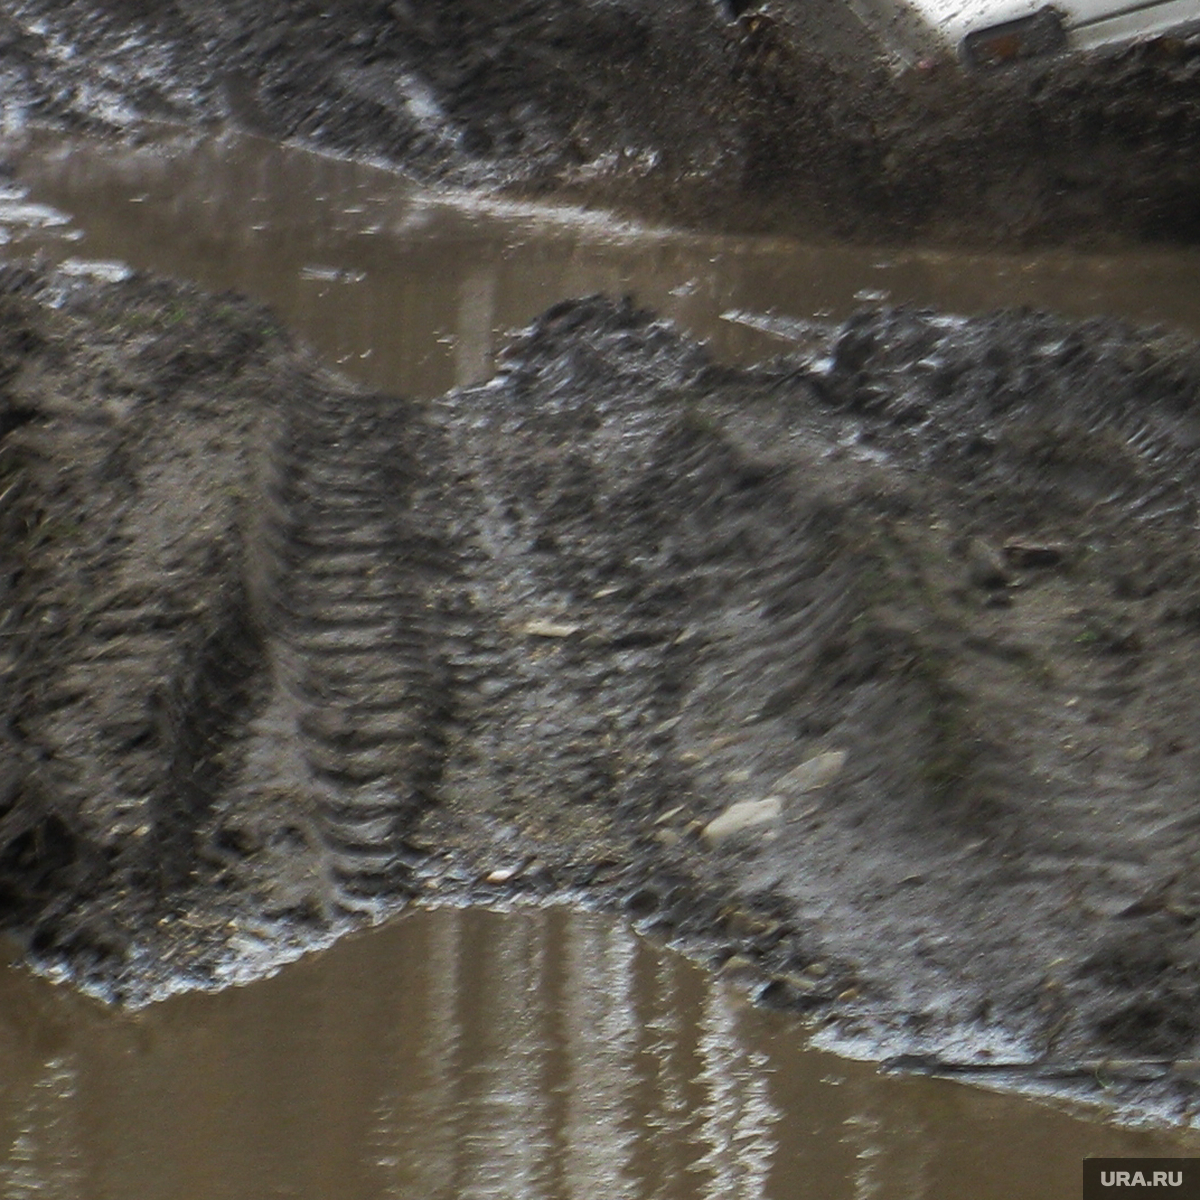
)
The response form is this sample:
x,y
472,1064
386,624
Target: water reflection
x,y
413,291
540,1055
43,1161
737,1136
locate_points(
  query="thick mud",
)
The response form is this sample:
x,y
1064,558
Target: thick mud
x,y
784,116
911,610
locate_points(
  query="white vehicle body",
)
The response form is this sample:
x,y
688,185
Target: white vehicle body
x,y
992,32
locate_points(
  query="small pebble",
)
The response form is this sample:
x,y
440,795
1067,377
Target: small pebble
x,y
550,629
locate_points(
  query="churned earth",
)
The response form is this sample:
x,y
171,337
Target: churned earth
x,y
865,673
777,115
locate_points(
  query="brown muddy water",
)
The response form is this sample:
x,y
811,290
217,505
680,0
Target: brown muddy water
x,y
538,1054
412,290
531,1055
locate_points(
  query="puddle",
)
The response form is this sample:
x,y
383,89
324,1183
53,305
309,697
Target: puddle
x,y
470,1055
413,291
534,1055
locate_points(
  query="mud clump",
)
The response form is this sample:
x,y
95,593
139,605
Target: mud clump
x,y
729,116
280,657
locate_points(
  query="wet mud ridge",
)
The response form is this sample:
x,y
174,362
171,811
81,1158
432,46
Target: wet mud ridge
x,y
865,674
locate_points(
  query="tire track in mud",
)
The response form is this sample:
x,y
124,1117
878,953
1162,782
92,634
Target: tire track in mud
x,y
226,638
351,563
310,649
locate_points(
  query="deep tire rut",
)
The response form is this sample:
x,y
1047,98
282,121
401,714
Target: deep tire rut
x,y
353,566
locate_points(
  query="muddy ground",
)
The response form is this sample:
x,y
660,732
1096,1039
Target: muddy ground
x,y
781,117
912,613
280,656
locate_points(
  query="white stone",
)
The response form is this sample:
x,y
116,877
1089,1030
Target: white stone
x,y
812,774
549,629
746,814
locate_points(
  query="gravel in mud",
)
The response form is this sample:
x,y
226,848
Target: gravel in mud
x,y
780,117
865,674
